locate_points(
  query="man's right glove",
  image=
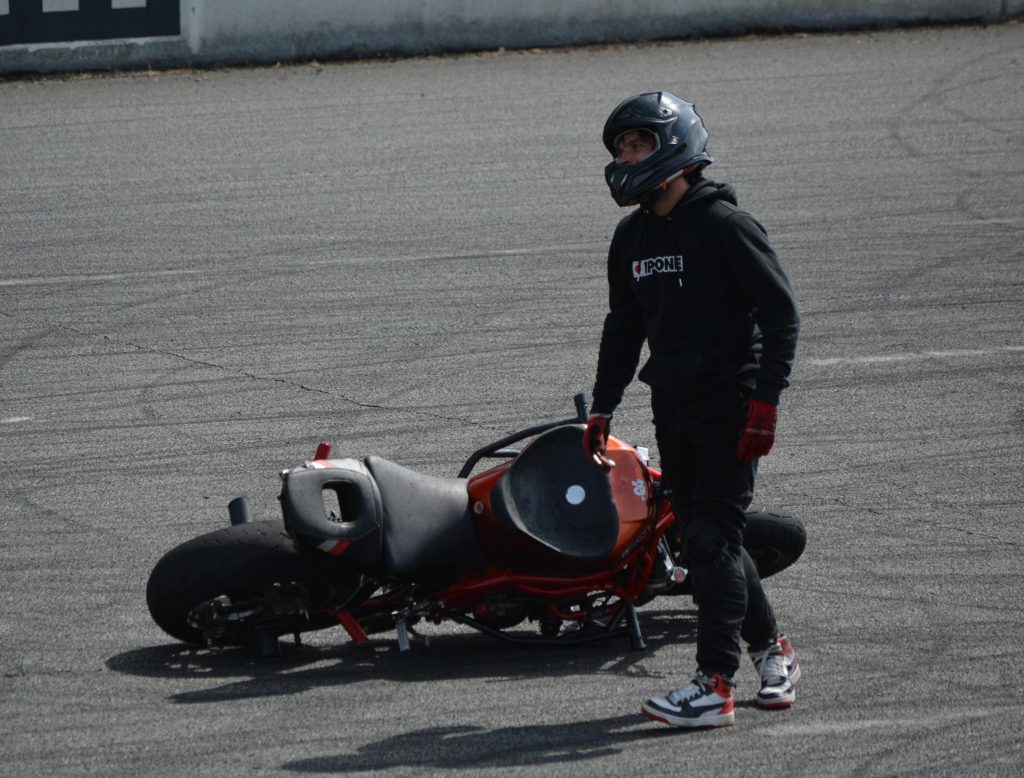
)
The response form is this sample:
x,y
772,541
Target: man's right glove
x,y
758,431
595,439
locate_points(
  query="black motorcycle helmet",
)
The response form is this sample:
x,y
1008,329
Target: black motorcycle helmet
x,y
680,140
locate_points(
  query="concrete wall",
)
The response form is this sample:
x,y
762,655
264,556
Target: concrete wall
x,y
267,31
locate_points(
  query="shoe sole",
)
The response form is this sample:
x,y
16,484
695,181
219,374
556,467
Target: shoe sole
x,y
775,704
719,720
778,702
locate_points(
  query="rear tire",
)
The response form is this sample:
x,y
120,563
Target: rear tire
x,y
239,561
773,540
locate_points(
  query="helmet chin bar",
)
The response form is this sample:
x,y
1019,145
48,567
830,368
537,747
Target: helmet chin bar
x,y
648,198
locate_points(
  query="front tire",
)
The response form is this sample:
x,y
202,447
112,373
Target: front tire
x,y
239,561
773,540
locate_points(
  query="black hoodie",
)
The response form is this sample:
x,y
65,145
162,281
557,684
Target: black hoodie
x,y
705,288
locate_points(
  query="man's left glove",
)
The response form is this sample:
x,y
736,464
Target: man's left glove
x,y
759,430
595,439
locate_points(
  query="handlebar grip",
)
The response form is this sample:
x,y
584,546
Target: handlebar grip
x,y
581,407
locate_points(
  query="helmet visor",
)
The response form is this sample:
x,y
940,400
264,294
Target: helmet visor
x,y
636,145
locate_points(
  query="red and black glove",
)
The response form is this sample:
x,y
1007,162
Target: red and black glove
x,y
595,439
759,430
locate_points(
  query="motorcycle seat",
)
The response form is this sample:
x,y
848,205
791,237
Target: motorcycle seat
x,y
557,496
428,528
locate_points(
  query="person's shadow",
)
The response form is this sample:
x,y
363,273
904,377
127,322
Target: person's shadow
x,y
454,747
451,657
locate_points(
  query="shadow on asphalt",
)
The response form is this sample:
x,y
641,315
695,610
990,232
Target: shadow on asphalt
x,y
476,748
450,656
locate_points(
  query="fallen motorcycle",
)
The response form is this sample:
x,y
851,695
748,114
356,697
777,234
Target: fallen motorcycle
x,y
543,547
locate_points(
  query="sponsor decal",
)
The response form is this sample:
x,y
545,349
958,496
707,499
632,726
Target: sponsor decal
x,y
655,265
644,534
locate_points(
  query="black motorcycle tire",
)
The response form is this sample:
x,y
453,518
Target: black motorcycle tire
x,y
773,540
238,561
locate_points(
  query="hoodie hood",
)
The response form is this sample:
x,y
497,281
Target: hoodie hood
x,y
704,192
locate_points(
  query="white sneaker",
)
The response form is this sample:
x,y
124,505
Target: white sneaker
x,y
705,702
779,673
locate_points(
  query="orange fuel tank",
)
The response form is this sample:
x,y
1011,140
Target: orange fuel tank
x,y
591,520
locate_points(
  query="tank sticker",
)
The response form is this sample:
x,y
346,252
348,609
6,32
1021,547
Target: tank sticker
x,y
644,534
575,494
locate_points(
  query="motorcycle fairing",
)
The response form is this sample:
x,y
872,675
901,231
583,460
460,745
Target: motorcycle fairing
x,y
555,495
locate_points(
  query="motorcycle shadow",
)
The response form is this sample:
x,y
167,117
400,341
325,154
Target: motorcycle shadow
x,y
453,656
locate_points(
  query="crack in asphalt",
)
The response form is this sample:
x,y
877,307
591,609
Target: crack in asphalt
x,y
256,377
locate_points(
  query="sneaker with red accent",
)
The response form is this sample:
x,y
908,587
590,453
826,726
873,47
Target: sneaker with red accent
x,y
707,701
779,673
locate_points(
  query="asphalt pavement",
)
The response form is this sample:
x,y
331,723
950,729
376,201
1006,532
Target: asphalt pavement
x,y
202,274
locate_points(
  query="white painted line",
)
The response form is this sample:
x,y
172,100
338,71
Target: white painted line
x,y
920,722
912,357
45,280
15,419
595,247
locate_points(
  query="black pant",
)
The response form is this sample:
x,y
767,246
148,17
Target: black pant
x,y
711,488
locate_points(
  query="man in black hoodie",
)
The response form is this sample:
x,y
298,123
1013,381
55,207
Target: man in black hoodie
x,y
695,276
